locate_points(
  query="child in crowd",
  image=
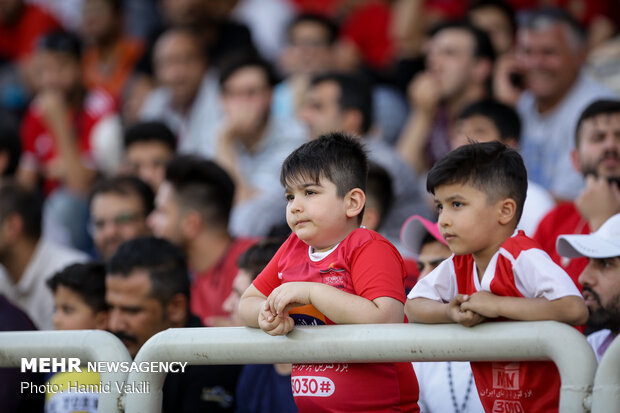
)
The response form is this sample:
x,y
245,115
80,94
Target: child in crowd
x,y
261,387
331,271
79,303
495,272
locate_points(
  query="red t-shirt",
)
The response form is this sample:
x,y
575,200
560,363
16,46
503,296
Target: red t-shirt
x,y
364,264
563,219
39,146
210,289
18,40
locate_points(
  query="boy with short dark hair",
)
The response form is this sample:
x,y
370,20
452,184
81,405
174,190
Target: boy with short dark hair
x,y
331,271
479,192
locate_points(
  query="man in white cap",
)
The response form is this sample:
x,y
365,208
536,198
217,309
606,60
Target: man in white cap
x,y
600,279
436,380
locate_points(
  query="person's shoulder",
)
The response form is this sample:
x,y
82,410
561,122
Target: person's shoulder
x,y
61,254
12,318
517,244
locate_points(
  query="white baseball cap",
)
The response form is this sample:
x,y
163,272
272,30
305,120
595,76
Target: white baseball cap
x,y
604,243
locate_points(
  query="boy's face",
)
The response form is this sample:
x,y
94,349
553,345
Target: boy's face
x,y
72,313
147,160
466,219
316,214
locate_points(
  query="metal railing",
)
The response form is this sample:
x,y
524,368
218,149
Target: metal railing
x,y
506,341
606,391
87,345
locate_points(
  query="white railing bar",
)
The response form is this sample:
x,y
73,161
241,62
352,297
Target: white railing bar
x,y
606,391
87,345
507,341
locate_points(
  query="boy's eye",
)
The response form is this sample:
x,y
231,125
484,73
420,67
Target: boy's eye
x,y
289,197
457,204
310,192
438,207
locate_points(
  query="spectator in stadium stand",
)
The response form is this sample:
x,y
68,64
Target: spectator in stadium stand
x,y
149,146
27,259
597,158
549,58
147,291
600,279
69,135
119,208
192,209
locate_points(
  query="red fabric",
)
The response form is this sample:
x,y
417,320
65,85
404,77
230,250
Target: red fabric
x,y
19,39
509,386
211,288
364,264
38,144
563,219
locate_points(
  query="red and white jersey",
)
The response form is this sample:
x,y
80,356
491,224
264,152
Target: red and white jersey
x,y
364,264
520,268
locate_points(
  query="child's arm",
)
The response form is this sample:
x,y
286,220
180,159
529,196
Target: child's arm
x,y
254,313
337,305
424,310
568,309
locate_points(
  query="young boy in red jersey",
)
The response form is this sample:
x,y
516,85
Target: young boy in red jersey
x,y
331,271
495,272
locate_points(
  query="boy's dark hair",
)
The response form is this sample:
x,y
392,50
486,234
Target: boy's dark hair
x,y
152,131
505,8
483,48
328,24
335,156
355,93
255,258
11,144
15,199
490,167
379,189
504,117
598,107
62,42
202,185
164,262
126,185
87,280
237,61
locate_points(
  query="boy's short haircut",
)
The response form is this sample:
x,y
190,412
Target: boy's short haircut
x,y
152,131
490,167
202,185
328,24
336,156
504,117
255,258
379,190
60,41
125,185
87,280
598,107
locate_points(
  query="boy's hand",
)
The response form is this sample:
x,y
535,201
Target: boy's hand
x,y
287,296
274,325
458,314
484,303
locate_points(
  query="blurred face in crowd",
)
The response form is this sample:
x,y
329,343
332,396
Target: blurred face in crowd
x,y
247,90
179,66
321,110
147,160
57,71
116,218
72,313
549,60
134,315
182,12
598,146
431,255
601,291
478,128
165,220
241,283
308,50
496,24
99,21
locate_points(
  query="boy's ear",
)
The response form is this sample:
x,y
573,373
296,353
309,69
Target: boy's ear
x,y
191,224
354,200
507,210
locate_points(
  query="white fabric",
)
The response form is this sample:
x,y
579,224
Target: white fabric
x,y
596,339
547,140
538,203
604,243
31,292
107,144
435,395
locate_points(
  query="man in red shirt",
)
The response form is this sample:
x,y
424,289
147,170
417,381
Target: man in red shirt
x,y
597,157
192,209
